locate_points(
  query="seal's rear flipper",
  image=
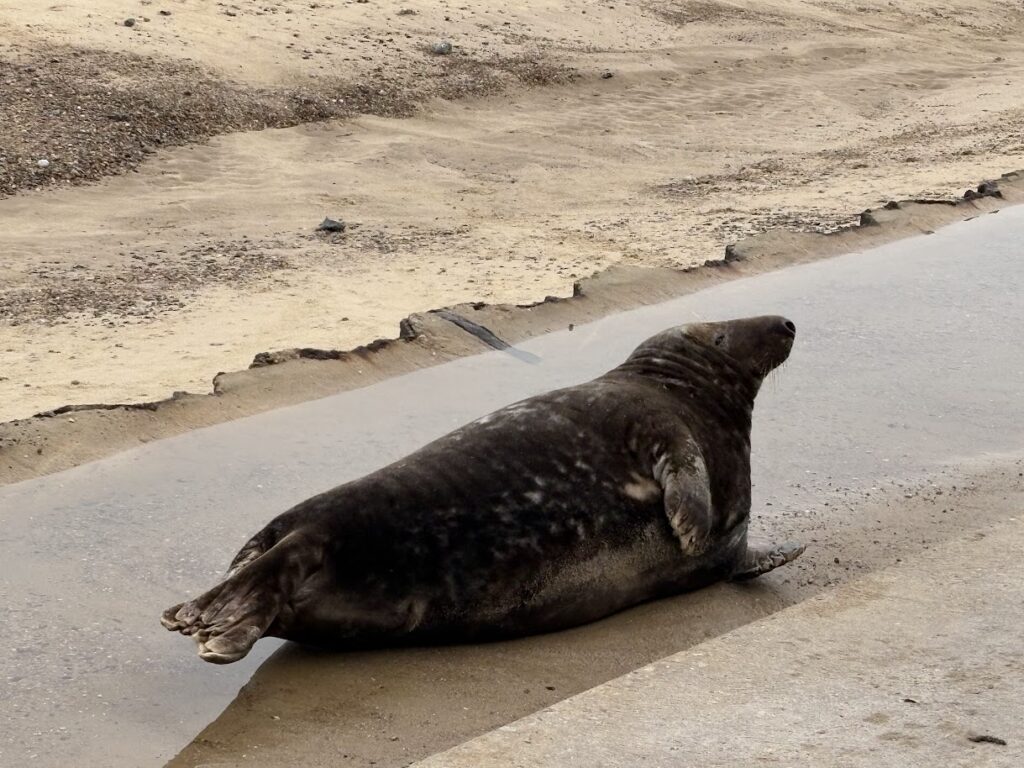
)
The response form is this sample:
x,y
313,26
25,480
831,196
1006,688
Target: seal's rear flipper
x,y
227,620
763,557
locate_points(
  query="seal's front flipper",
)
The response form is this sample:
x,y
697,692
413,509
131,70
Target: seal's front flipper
x,y
227,620
684,479
762,557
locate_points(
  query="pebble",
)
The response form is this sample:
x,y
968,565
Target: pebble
x,y
43,163
129,22
442,48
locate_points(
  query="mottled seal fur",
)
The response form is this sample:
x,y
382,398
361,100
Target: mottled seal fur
x,y
548,513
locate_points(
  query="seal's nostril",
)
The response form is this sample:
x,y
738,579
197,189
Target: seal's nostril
x,y
790,327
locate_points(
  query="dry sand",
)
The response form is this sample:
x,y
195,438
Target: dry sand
x,y
196,248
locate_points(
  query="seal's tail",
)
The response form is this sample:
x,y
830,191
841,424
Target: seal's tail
x,y
227,620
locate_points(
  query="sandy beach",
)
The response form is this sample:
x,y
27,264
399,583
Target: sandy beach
x,y
191,155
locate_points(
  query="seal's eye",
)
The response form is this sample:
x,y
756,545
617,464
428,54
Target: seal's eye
x,y
719,339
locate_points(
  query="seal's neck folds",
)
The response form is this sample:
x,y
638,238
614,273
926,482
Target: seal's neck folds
x,y
696,370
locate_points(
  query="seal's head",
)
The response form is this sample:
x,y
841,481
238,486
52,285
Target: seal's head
x,y
756,344
730,356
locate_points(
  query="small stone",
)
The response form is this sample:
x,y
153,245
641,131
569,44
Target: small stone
x,y
75,382
607,75
442,48
331,225
43,163
129,22
407,12
165,13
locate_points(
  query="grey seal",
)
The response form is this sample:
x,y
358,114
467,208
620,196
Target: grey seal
x,y
549,513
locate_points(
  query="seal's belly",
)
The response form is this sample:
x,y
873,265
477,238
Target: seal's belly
x,y
574,590
580,586
582,590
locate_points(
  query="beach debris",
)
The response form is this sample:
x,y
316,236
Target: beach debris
x,y
441,48
984,738
607,75
331,225
129,22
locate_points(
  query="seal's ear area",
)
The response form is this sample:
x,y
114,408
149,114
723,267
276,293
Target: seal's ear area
x,y
703,333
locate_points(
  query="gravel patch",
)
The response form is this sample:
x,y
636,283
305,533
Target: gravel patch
x,y
73,115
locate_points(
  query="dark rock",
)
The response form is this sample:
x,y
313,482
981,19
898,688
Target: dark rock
x,y
407,329
129,22
732,253
331,225
867,219
606,75
989,189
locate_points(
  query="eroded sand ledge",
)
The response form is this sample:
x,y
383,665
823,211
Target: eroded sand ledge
x,y
72,435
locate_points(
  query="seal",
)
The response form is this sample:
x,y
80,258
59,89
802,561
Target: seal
x,y
549,513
